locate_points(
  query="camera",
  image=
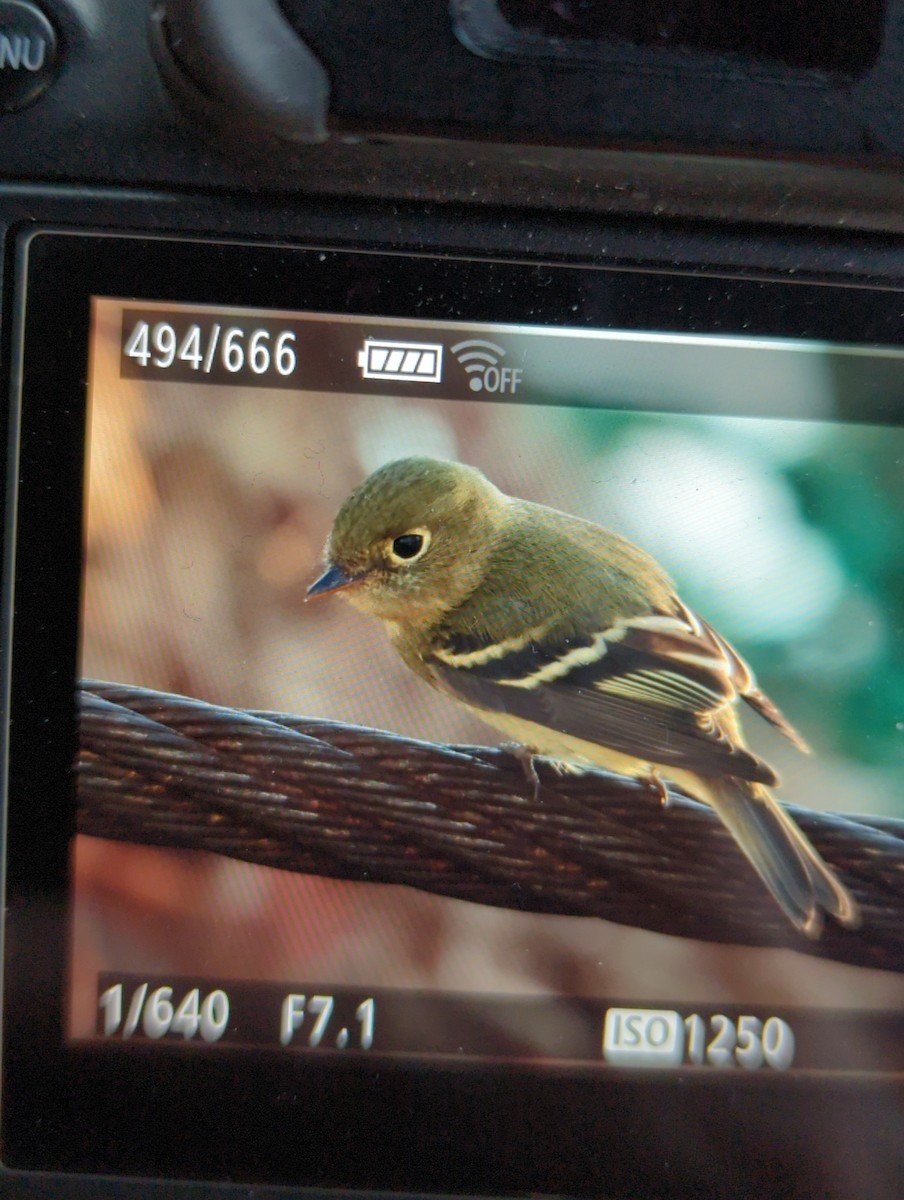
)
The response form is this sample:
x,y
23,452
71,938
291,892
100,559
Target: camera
x,y
453,631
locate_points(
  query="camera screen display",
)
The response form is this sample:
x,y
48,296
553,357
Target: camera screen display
x,y
751,472
455,729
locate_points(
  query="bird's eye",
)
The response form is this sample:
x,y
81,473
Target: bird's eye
x,y
409,546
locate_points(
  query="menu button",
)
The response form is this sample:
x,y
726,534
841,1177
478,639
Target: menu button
x,y
28,53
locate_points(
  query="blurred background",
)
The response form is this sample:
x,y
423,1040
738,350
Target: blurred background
x,y
207,512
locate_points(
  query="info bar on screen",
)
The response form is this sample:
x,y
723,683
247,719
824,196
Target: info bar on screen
x,y
314,1017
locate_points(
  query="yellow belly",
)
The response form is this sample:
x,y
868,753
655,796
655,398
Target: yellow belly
x,y
577,753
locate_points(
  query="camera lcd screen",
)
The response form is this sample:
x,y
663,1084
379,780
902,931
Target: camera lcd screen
x,y
209,501
219,441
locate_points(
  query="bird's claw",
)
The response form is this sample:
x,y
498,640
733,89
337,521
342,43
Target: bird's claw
x,y
657,786
527,758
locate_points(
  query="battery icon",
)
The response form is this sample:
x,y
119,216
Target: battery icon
x,y
421,361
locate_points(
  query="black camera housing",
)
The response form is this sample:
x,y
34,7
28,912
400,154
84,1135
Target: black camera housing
x,y
473,169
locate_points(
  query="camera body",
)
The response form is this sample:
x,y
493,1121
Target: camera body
x,y
452,164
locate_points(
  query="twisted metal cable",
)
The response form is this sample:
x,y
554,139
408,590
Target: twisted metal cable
x,y
337,800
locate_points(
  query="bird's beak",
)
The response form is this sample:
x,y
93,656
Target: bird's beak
x,y
333,579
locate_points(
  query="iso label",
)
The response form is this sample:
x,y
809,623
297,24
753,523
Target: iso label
x,y
648,1037
643,1037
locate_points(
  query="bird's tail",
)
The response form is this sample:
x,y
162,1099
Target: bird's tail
x,y
791,867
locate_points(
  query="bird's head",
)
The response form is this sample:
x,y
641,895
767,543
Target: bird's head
x,y
411,542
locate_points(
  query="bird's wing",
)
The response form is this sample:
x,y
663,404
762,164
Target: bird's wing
x,y
654,687
743,680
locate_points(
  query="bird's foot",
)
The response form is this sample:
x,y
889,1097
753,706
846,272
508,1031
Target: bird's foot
x,y
657,786
564,766
527,758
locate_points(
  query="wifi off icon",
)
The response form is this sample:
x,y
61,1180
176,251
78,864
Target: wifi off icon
x,y
482,361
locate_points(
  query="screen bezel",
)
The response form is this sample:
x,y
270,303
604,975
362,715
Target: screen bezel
x,y
276,1118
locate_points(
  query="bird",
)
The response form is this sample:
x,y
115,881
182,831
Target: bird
x,y
572,642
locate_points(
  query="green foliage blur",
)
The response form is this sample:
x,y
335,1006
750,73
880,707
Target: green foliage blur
x,y
840,673
854,492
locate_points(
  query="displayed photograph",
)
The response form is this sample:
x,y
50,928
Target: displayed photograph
x,y
675,563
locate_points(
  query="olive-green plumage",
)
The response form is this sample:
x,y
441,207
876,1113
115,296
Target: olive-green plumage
x,y
572,641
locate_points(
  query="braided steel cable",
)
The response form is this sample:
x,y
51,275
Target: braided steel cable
x,y
341,801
